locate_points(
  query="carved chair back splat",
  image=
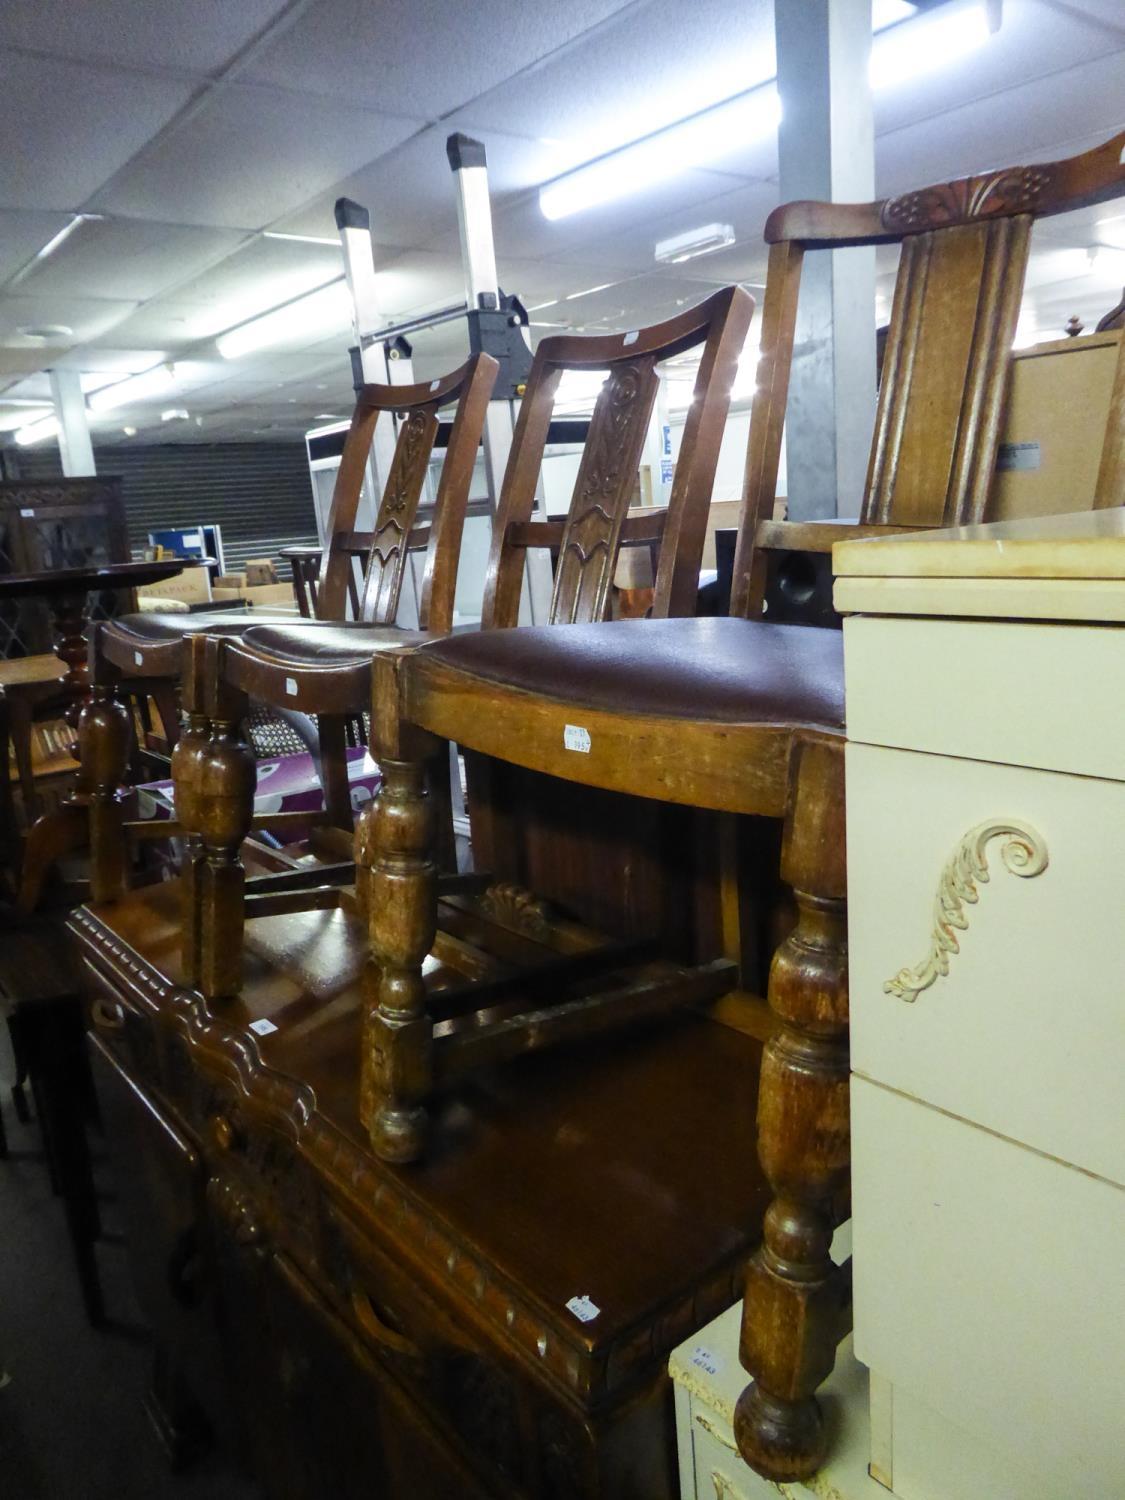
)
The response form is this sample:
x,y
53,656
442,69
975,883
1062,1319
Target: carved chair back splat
x,y
597,524
953,320
396,532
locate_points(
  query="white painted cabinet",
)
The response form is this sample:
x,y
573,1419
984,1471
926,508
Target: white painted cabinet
x,y
986,872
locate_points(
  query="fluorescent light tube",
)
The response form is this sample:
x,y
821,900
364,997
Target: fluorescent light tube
x,y
36,432
927,45
11,421
321,311
155,382
301,239
691,143
900,53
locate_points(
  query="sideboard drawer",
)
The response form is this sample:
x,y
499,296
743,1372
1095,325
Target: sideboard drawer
x,y
1026,693
1020,1026
988,1283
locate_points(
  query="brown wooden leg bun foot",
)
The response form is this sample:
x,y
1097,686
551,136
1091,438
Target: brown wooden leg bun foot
x,y
782,1440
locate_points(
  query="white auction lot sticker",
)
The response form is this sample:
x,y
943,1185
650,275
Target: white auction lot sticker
x,y
576,738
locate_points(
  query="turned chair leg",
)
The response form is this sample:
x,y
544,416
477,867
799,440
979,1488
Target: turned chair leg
x,y
191,749
401,902
795,1294
104,730
224,812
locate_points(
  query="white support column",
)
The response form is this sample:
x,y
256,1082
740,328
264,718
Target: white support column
x,y
826,150
74,430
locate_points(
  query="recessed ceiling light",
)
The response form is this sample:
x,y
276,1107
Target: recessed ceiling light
x,y
175,414
46,333
129,431
702,241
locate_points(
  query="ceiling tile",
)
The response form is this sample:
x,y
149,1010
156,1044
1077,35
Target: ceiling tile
x,y
1040,121
23,235
147,33
128,258
638,73
425,212
249,156
618,233
68,127
1035,42
442,52
89,317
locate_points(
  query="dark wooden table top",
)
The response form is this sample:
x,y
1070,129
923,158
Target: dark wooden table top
x,y
122,575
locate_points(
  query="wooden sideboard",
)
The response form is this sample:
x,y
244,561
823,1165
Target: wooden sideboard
x,y
493,1322
986,832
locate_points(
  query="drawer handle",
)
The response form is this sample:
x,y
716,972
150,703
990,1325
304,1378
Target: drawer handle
x,y
1024,854
108,1017
379,1331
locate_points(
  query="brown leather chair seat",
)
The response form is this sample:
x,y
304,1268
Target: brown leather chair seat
x,y
718,670
158,627
327,642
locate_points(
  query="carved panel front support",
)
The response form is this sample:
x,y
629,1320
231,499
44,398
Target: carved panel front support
x,y
794,1292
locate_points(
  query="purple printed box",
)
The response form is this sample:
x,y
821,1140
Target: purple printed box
x,y
287,783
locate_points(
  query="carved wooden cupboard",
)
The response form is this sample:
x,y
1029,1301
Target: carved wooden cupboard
x,y
493,1322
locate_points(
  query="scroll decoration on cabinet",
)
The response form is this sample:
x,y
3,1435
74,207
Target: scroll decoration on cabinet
x,y
1024,853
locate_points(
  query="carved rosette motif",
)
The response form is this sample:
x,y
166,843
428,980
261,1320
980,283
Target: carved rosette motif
x,y
1023,853
989,196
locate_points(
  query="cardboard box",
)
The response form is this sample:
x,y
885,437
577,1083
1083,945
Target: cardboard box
x,y
192,586
1054,427
260,571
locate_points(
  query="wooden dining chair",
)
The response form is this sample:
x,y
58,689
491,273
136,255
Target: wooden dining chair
x,y
737,715
158,646
327,672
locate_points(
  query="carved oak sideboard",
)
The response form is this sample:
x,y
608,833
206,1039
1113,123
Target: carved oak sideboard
x,y
493,1322
986,866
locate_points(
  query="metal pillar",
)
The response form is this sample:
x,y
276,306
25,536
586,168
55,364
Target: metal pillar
x,y
369,357
74,429
826,150
488,330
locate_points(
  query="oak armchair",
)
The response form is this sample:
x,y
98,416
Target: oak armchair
x,y
736,715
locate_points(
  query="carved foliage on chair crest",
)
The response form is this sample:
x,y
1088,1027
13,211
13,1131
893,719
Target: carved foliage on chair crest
x,y
1013,190
397,511
602,491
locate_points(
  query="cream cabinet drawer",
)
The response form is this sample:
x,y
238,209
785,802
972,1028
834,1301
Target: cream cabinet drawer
x,y
1046,695
1025,1032
720,1473
988,1282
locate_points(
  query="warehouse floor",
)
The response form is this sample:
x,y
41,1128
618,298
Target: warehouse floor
x,y
71,1422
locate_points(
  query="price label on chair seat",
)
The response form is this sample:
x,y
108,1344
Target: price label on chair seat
x,y
576,738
